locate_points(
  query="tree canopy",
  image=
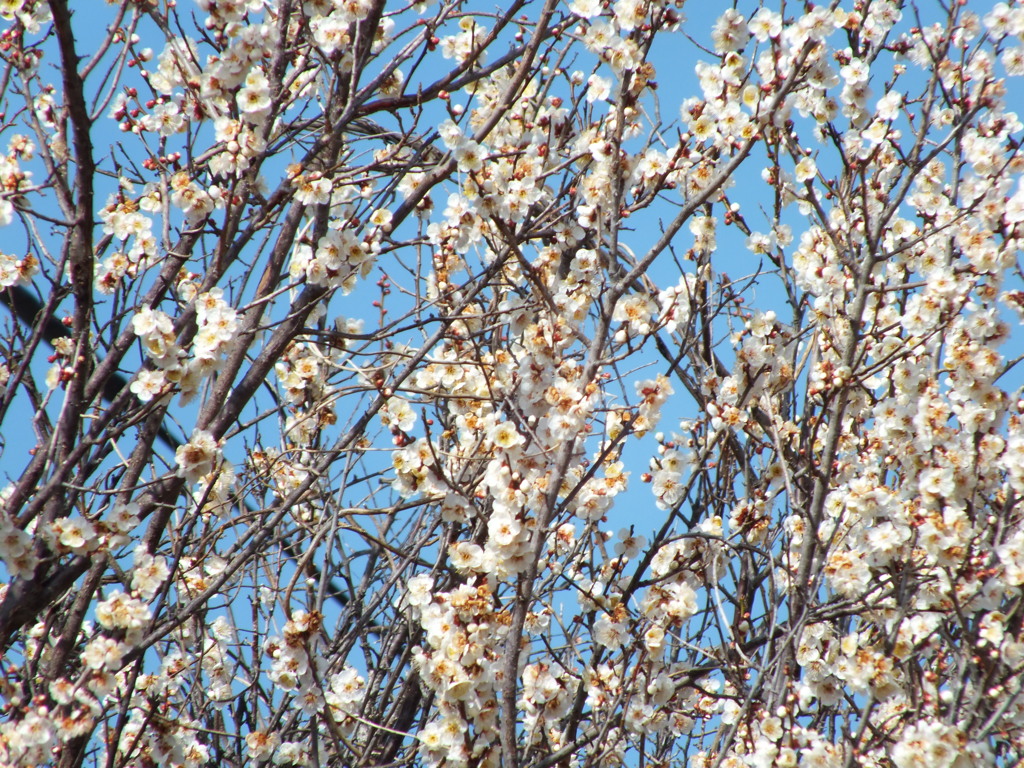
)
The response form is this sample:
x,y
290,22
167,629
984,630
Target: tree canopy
x,y
556,384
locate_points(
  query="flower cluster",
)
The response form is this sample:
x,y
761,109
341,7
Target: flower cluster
x,y
17,548
463,666
173,367
339,260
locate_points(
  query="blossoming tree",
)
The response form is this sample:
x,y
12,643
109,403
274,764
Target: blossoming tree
x,y
561,384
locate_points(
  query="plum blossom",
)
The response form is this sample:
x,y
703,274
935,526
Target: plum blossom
x,y
198,457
